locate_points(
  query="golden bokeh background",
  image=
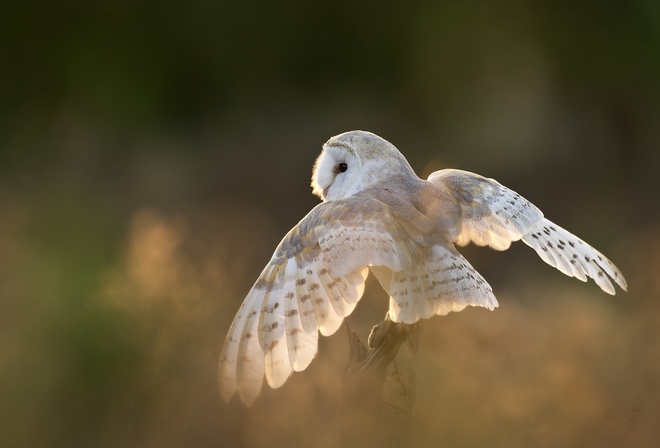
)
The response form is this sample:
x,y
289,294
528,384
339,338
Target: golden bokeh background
x,y
153,155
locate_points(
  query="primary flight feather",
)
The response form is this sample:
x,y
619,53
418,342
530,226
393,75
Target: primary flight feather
x,y
378,216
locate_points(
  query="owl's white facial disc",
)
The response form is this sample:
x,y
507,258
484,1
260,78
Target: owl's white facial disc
x,y
335,171
355,161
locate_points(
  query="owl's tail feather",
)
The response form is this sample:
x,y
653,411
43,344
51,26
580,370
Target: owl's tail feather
x,y
443,281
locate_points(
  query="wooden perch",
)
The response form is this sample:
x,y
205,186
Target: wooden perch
x,y
366,372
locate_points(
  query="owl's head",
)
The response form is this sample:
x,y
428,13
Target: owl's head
x,y
355,161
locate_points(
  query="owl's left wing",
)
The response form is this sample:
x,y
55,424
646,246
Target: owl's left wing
x,y
314,280
494,215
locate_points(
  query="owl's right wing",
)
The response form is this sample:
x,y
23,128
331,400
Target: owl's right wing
x,y
494,215
314,280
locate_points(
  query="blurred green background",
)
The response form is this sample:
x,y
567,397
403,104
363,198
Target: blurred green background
x,y
152,155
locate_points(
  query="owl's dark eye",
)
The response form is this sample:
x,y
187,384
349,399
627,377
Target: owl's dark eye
x,y
343,167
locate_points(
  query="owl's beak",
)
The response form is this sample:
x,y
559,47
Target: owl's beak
x,y
325,191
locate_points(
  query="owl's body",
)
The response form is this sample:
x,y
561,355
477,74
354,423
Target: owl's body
x,y
378,215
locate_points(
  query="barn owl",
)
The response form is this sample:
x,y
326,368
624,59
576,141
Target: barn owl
x,y
377,215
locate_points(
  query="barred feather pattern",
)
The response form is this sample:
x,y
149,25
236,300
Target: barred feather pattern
x,y
313,281
443,281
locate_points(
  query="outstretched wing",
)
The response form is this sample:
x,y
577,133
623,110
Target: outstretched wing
x,y
494,215
314,280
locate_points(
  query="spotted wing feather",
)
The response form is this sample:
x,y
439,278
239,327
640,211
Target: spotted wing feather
x,y
572,256
314,279
494,215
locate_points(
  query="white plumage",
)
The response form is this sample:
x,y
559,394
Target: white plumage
x,y
378,215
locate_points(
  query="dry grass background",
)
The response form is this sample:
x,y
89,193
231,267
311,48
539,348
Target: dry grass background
x,y
558,364
112,328
123,352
